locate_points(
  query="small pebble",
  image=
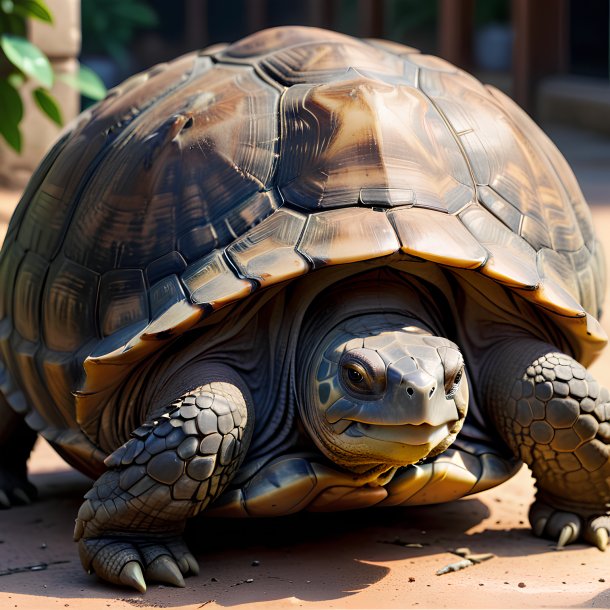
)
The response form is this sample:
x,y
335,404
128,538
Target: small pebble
x,y
521,585
43,545
255,563
411,579
214,579
250,580
602,580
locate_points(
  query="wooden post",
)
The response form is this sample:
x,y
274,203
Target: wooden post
x,y
455,30
321,13
196,24
540,44
370,18
256,15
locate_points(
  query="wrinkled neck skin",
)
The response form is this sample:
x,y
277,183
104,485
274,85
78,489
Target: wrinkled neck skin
x,y
378,385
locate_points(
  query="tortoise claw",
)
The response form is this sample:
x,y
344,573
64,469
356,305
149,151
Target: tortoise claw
x,y
192,563
22,496
567,535
539,526
601,538
164,569
4,501
131,575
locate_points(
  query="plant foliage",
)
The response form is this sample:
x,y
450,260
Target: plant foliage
x,y
21,60
109,26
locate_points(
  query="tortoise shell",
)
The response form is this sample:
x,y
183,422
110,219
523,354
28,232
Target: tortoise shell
x,y
226,171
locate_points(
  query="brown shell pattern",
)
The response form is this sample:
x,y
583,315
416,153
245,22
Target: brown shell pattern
x,y
219,173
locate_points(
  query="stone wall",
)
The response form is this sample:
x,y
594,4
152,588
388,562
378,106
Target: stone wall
x,y
61,42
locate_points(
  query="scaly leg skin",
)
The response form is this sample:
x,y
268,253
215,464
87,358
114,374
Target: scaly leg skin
x,y
556,418
16,442
129,527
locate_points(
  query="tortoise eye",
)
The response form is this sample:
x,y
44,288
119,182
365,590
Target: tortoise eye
x,y
454,369
362,373
354,376
453,383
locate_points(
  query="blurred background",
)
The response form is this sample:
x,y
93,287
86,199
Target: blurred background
x,y
551,56
515,43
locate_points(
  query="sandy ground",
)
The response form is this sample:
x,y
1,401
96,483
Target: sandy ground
x,y
364,559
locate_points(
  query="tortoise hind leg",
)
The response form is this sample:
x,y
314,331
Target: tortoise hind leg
x,y
556,418
16,442
129,527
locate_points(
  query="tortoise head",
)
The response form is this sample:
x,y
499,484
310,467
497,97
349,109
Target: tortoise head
x,y
381,389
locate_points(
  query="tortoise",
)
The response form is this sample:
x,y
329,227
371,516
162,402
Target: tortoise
x,y
301,272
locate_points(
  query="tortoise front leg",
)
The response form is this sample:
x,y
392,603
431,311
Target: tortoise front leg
x,y
129,527
556,418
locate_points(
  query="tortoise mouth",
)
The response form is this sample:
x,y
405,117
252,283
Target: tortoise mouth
x,y
405,434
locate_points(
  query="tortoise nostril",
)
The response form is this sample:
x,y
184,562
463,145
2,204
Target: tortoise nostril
x,y
410,391
431,392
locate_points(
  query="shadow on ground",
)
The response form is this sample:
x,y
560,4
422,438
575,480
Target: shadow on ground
x,y
305,557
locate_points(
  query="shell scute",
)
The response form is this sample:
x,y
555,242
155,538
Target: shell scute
x,y
500,208
449,244
171,263
275,39
210,281
27,296
506,158
122,300
165,293
152,198
513,260
324,62
347,235
69,307
535,233
364,134
267,252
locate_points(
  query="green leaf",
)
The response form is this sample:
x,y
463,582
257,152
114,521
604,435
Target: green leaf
x,y
87,82
46,102
7,6
28,58
12,24
16,79
11,115
10,132
34,9
10,102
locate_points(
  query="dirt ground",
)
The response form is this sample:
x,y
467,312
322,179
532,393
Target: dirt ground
x,y
364,559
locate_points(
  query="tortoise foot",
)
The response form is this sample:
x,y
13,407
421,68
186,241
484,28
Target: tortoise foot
x,y
16,442
15,489
568,526
134,561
